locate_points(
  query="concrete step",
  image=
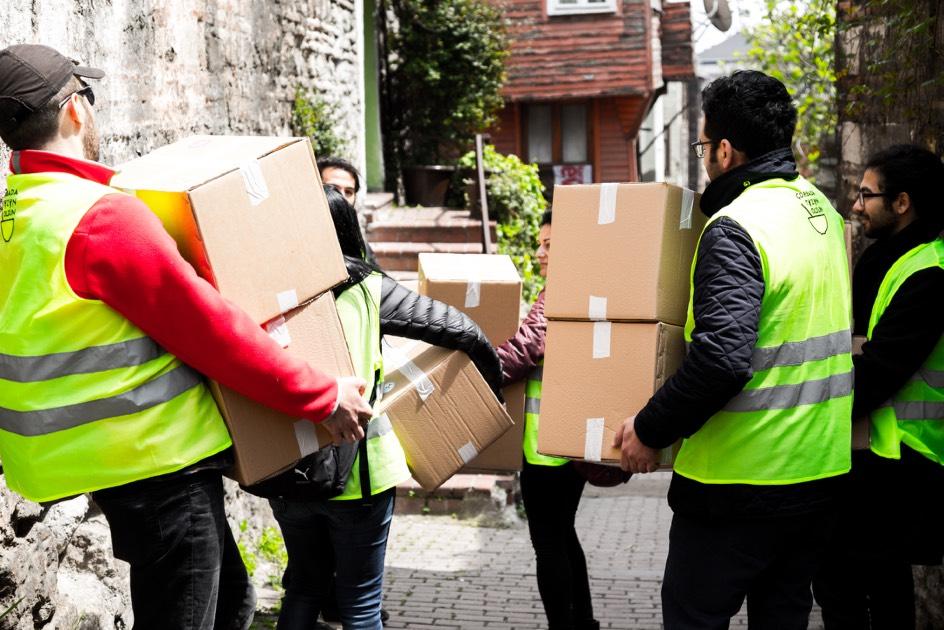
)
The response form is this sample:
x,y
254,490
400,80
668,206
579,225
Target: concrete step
x,y
426,225
462,496
403,256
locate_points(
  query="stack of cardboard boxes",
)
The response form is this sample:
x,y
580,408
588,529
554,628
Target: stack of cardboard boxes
x,y
487,288
616,303
250,215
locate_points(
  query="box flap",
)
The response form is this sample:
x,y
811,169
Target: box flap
x,y
495,268
193,161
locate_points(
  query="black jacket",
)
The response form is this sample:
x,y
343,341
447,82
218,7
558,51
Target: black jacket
x,y
405,313
729,287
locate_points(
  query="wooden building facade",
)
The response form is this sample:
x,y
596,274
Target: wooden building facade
x,y
581,76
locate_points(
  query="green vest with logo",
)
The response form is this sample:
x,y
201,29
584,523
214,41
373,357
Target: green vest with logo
x,y
532,412
915,414
87,400
359,310
791,422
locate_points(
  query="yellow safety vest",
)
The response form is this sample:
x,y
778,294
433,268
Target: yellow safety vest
x,y
359,310
791,422
915,414
87,400
532,414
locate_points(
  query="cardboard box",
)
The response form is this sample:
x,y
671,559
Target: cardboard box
x,y
597,374
266,441
234,202
622,252
440,408
486,287
505,454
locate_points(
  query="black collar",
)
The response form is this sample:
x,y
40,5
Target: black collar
x,y
726,188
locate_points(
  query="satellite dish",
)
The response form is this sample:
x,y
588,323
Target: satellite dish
x,y
719,14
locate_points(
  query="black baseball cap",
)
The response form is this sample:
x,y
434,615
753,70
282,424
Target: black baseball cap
x,y
30,75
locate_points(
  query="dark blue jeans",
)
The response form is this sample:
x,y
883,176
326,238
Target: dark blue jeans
x,y
358,535
186,572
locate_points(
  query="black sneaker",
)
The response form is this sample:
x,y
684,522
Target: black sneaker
x,y
384,615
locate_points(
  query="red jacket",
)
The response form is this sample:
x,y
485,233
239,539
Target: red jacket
x,y
121,254
522,353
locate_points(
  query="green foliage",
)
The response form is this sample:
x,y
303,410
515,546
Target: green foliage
x,y
270,548
11,608
446,73
313,117
795,43
516,202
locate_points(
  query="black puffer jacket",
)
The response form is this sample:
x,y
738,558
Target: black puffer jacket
x,y
729,287
405,313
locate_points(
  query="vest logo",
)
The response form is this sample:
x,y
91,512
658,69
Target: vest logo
x,y
816,215
8,214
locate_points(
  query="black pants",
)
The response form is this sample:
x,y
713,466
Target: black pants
x,y
892,517
186,572
713,565
551,495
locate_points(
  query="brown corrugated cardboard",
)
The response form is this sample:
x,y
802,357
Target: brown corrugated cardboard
x,y
847,235
597,374
232,202
266,441
440,408
622,252
486,287
504,455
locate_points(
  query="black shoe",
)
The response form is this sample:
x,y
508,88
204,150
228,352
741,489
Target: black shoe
x,y
331,615
384,615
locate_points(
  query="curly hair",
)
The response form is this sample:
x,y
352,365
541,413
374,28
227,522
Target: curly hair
x,y
914,170
750,109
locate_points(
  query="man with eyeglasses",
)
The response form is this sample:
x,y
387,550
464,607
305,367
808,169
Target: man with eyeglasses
x,y
105,333
764,395
894,514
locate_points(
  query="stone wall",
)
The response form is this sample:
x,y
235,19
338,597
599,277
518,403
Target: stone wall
x,y
173,68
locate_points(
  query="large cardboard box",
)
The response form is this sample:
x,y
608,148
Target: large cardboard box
x,y
597,374
248,213
266,441
486,287
622,252
505,454
441,409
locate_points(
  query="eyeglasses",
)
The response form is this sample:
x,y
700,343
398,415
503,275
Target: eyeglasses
x,y
863,195
698,148
84,91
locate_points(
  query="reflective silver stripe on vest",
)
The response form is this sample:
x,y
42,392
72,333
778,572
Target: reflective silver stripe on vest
x,y
86,361
799,352
532,405
789,396
15,163
379,427
919,410
150,394
934,378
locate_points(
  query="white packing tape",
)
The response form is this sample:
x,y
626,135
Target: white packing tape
x,y
468,452
400,362
593,440
688,204
473,293
279,331
307,437
255,182
601,339
287,300
607,211
596,309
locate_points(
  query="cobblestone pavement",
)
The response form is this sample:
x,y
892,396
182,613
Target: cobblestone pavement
x,y
450,573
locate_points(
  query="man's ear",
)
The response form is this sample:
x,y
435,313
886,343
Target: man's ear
x,y
728,156
902,204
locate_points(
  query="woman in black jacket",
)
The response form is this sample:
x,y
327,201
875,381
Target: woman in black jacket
x,y
355,524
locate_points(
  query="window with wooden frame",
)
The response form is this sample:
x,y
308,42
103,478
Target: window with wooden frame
x,y
559,138
576,7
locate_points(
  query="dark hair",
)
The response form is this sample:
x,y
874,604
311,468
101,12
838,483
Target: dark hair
x,y
546,218
344,165
346,224
752,110
37,129
914,170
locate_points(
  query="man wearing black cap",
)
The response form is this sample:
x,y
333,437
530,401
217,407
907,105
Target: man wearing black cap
x,y
105,333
